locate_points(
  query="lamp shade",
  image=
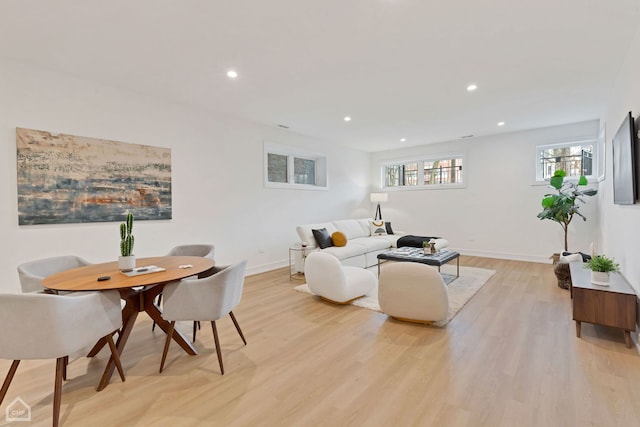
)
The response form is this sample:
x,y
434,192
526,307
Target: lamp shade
x,y
378,197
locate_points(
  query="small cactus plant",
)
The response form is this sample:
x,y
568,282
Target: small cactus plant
x,y
126,238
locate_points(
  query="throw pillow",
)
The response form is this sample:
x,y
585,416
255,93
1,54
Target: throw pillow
x,y
339,239
387,226
323,238
377,227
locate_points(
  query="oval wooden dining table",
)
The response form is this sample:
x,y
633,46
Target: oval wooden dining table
x,y
139,292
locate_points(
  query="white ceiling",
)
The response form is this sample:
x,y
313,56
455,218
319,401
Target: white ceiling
x,y
398,67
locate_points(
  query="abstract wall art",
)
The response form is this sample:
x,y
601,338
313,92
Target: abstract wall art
x,y
71,179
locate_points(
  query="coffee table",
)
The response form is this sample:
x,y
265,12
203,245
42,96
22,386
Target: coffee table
x,y
405,254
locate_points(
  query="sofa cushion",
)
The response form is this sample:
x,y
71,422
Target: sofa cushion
x,y
391,239
387,226
364,223
306,235
351,227
342,252
339,238
370,243
322,237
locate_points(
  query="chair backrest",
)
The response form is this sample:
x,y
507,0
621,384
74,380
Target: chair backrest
x,y
45,326
205,251
205,299
412,289
31,273
324,273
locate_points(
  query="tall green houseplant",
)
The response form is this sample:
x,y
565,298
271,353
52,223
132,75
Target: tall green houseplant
x,y
562,207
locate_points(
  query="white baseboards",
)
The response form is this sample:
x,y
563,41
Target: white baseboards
x,y
263,268
504,255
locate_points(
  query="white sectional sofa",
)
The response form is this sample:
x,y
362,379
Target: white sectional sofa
x,y
361,249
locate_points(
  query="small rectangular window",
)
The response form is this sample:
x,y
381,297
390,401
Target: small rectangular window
x,y
286,167
277,167
575,159
304,171
424,173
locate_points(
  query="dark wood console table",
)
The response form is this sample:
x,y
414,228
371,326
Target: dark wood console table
x,y
613,305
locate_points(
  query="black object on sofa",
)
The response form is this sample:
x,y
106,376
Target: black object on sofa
x,y
413,241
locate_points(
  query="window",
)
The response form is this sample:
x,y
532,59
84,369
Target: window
x,y
286,167
575,158
434,172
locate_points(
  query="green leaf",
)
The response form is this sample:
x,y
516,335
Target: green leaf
x,y
547,202
556,181
582,180
560,173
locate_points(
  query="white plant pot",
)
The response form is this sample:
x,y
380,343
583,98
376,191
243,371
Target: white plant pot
x,y
600,278
127,263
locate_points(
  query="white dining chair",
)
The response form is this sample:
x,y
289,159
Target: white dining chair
x,y
31,273
201,250
207,299
65,325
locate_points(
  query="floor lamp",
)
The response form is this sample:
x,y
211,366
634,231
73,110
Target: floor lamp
x,y
378,198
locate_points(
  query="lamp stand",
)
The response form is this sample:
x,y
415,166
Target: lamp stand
x,y
378,213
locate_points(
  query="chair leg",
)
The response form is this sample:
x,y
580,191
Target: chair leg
x,y
64,370
166,344
153,327
7,380
57,391
218,350
235,322
116,356
195,324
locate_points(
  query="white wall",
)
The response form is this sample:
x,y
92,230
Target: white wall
x,y
620,225
495,215
218,193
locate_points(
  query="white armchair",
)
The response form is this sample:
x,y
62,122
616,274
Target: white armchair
x,y
31,273
412,292
336,283
65,324
201,250
207,299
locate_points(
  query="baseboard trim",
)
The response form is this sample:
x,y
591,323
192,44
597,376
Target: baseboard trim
x,y
504,255
263,268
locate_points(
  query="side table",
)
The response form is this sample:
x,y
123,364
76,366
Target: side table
x,y
613,305
296,251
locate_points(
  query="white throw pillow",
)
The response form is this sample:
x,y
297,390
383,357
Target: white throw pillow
x,y
377,227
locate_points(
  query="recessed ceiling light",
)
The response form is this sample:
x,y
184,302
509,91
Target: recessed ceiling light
x,y
232,74
403,139
500,123
472,87
347,119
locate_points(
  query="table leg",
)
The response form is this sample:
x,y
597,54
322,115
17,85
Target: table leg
x,y
627,338
578,328
129,315
457,267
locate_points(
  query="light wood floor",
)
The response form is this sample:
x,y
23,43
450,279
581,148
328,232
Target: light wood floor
x,y
509,358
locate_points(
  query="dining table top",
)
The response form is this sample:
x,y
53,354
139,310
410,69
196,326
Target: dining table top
x,y
86,278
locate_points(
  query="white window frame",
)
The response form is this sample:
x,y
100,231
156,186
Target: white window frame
x,y
596,165
421,160
321,176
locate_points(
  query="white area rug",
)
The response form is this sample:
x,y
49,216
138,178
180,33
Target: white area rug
x,y
460,290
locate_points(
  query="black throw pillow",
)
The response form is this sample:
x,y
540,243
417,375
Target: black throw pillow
x,y
323,238
387,225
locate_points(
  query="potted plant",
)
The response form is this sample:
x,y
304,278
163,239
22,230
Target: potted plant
x,y
127,261
561,208
601,266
